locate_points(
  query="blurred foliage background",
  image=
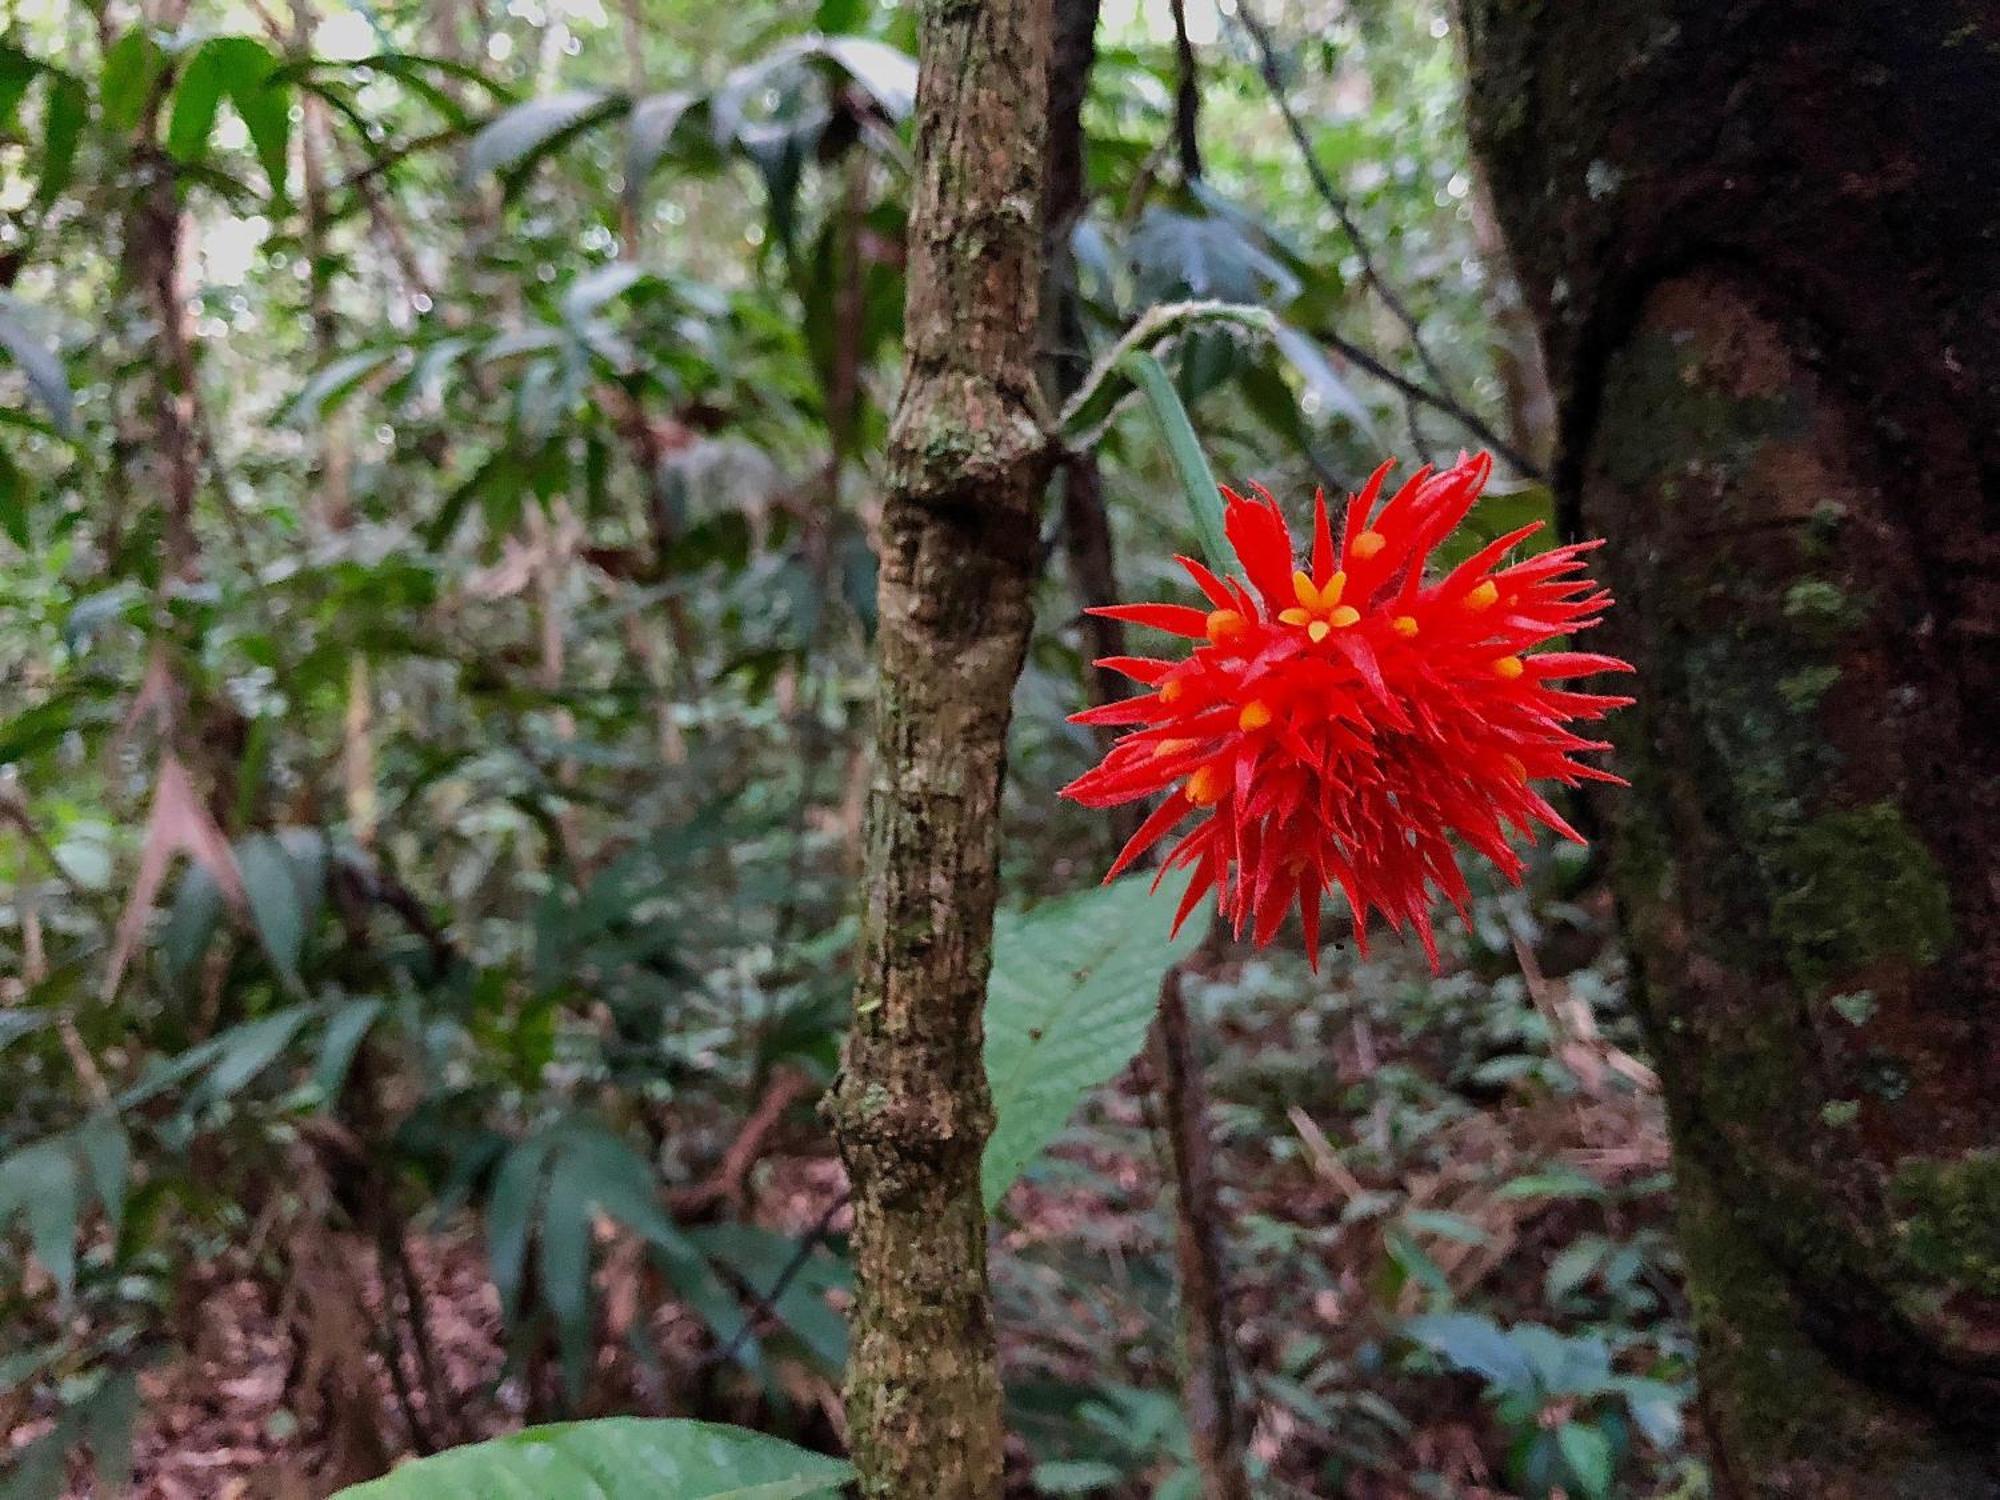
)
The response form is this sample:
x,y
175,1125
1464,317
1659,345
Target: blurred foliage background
x,y
437,461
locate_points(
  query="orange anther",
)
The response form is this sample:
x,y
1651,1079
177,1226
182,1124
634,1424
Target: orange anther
x,y
1256,714
1205,787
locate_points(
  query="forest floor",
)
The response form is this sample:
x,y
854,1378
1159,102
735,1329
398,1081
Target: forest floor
x,y
1478,1146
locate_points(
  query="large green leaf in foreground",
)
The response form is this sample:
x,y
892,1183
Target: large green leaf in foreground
x,y
1075,984
617,1458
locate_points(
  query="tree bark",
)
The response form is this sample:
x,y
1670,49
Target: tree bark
x,y
1763,243
967,451
1216,1426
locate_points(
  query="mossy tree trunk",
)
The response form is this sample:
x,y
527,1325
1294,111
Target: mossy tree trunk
x,y
958,553
1763,244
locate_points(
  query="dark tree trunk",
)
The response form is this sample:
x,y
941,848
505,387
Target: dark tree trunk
x,y
958,552
1763,243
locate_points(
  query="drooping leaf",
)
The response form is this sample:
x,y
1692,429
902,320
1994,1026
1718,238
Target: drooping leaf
x,y
15,493
654,121
1323,380
62,130
233,67
276,909
132,67
517,138
615,1457
889,75
39,363
1075,983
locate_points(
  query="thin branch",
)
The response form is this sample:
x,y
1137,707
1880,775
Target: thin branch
x,y
1413,390
1439,394
1187,97
764,1304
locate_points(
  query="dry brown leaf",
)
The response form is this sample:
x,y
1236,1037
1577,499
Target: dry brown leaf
x,y
177,824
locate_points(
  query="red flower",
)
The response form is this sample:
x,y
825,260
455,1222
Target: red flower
x,y
1342,724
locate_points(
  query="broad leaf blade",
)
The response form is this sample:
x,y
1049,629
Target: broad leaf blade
x,y
615,1457
1074,987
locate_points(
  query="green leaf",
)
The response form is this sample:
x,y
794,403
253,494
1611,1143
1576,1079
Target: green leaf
x,y
132,67
280,903
15,492
41,1183
1473,1343
345,1030
335,382
654,121
1587,1452
616,1457
249,1049
888,75
62,129
108,1156
191,922
1075,983
515,139
1204,496
1323,380
107,1425
266,109
235,66
39,363
510,1209
564,1242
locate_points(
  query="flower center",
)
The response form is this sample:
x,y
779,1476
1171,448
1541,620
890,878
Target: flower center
x,y
1319,608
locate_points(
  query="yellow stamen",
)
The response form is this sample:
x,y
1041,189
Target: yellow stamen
x,y
1224,624
1405,626
1205,787
1294,617
1172,692
1484,596
1303,586
1256,714
1343,617
1163,748
1318,631
1508,667
1368,544
1335,587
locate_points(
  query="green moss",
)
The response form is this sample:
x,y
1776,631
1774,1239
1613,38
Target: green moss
x,y
1860,889
1952,1233
1822,609
1803,689
1774,1386
1666,419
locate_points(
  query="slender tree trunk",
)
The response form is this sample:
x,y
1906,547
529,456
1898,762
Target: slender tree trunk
x,y
1216,1429
958,550
1763,242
